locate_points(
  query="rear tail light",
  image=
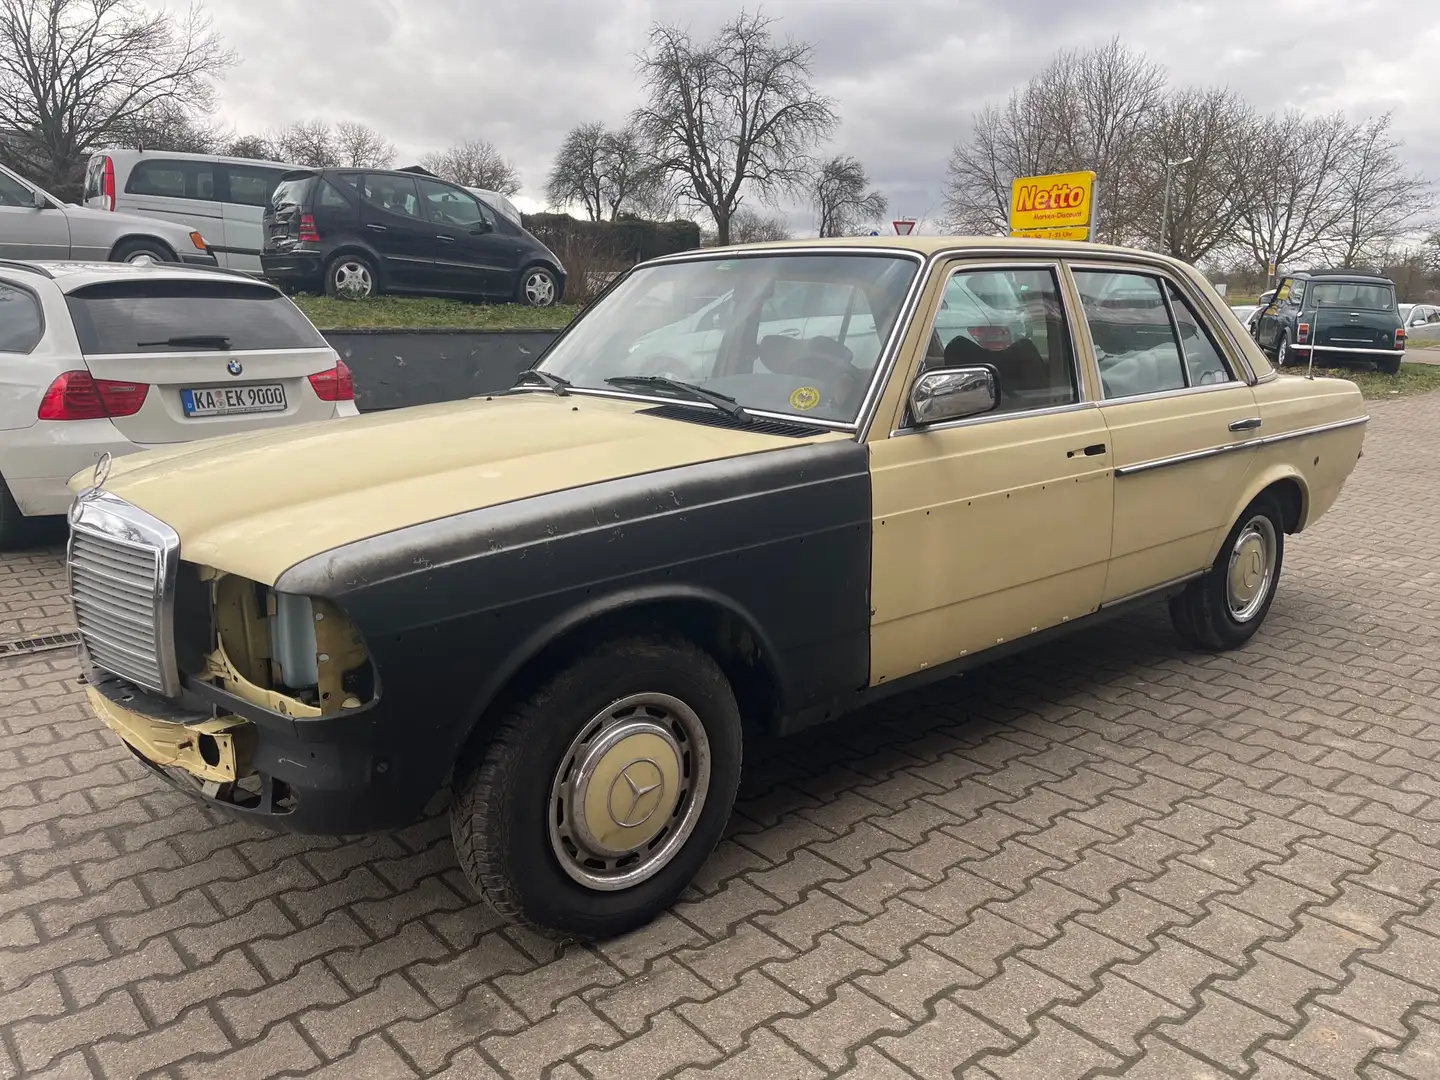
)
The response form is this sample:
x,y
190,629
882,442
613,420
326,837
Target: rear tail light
x,y
1400,338
75,395
337,384
309,234
107,184
1302,333
991,337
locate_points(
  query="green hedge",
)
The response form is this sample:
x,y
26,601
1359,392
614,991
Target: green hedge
x,y
626,240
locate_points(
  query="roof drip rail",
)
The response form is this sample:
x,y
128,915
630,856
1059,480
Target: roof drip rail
x,y
20,264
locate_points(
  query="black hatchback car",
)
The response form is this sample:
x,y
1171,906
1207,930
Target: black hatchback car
x,y
1342,315
358,233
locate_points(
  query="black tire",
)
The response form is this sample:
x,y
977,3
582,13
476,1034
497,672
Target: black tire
x,y
537,287
1282,349
1390,365
132,250
16,530
504,817
351,277
1203,615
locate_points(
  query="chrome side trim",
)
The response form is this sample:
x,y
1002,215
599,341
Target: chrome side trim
x,y
1183,579
1230,448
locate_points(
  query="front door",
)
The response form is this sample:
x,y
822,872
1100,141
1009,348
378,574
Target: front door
x,y
471,256
28,233
990,528
1181,425
392,220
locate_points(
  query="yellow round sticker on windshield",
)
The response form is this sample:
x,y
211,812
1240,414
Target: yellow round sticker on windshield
x,y
805,397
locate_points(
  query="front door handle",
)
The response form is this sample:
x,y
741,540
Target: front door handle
x,y
1250,423
445,239
377,228
1093,450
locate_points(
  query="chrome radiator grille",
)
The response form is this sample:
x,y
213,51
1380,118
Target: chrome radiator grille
x,y
122,565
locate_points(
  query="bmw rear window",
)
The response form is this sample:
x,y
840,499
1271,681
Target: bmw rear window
x,y
187,316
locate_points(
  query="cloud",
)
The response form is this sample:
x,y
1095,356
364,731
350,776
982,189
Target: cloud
x,y
906,76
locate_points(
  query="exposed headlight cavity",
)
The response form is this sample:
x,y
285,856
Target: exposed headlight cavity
x,y
292,639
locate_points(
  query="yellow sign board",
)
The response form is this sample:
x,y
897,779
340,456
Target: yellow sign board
x,y
1048,205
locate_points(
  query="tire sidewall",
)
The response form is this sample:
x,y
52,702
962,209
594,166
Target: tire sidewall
x,y
128,251
526,274
1230,628
1282,350
546,893
331,289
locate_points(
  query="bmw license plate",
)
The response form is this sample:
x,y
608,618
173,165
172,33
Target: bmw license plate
x,y
233,400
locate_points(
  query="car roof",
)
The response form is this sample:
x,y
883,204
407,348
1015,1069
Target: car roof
x,y
137,155
70,276
1343,275
931,245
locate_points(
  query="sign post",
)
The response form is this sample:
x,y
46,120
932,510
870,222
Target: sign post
x,y
1059,206
904,226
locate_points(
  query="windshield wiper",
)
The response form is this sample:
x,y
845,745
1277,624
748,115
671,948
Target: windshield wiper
x,y
199,341
560,386
724,402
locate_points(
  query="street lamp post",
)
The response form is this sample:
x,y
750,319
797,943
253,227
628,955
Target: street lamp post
x,y
1165,203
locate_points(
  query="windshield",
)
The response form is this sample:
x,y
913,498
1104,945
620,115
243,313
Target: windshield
x,y
791,334
1353,294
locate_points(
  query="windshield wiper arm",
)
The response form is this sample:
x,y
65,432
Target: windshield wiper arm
x,y
724,402
560,386
199,341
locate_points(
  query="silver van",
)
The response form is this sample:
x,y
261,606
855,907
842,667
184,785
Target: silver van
x,y
222,197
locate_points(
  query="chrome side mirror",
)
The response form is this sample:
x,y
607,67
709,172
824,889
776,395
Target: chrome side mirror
x,y
953,394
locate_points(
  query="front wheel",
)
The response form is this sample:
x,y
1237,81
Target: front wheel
x,y
141,251
1224,608
599,795
538,287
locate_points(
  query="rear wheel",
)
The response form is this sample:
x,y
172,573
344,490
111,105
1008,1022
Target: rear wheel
x,y
538,287
599,795
1390,365
136,251
1282,350
351,277
1224,608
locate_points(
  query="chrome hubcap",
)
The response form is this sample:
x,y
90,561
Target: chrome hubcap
x,y
142,257
1252,568
353,278
629,791
1284,353
539,289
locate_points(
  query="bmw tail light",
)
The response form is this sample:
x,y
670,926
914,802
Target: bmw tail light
x,y
75,395
336,384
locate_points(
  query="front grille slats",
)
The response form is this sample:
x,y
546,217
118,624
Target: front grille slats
x,y
115,587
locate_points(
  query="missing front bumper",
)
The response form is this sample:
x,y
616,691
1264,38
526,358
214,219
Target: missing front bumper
x,y
213,750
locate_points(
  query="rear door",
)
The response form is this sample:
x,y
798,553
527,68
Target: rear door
x,y
393,220
188,192
471,255
220,355
1182,422
247,192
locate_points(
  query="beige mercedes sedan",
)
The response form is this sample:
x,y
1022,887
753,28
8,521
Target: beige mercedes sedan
x,y
759,485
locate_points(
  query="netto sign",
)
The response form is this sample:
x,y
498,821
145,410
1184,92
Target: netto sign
x,y
1055,206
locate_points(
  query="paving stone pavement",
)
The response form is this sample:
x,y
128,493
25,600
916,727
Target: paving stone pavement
x,y
1108,857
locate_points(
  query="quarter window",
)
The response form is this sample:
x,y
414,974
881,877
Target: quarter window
x,y
1013,321
20,323
1136,346
1204,363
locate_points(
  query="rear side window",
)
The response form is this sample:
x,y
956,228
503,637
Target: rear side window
x,y
292,190
332,198
251,185
185,316
21,325
174,179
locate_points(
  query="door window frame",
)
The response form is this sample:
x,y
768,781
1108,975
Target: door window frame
x,y
944,274
1240,373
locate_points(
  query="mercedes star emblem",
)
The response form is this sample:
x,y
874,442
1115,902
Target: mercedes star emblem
x,y
234,367
627,804
102,472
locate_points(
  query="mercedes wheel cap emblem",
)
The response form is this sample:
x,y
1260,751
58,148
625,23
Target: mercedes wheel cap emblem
x,y
102,472
629,806
234,367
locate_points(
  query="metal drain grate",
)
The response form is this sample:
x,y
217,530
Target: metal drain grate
x,y
43,643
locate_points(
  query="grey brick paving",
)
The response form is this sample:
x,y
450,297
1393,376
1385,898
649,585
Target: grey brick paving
x,y
1110,857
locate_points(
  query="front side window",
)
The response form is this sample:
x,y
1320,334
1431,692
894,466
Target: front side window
x,y
790,334
21,325
1135,343
394,194
14,193
446,206
1012,320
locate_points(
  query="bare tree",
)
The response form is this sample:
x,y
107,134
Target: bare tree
x,y
1290,199
733,114
305,142
1380,198
474,163
73,73
362,147
575,176
841,199
248,146
169,126
749,226
1084,110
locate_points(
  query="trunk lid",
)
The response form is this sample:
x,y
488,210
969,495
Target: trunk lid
x,y
1345,327
220,356
280,220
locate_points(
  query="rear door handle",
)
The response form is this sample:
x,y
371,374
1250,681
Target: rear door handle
x,y
377,228
445,239
1094,450
1248,424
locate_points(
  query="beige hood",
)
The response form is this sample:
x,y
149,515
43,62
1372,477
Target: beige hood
x,y
257,504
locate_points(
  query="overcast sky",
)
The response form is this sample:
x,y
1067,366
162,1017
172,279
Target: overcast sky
x,y
906,74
